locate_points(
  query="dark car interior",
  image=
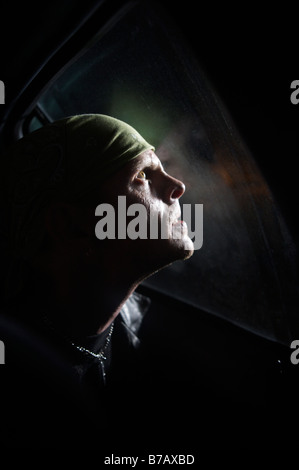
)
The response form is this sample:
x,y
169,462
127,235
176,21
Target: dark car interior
x,y
211,90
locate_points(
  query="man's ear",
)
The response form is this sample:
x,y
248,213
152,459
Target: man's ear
x,y
65,222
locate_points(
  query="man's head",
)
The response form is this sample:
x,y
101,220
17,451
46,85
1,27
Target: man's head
x,y
150,197
57,175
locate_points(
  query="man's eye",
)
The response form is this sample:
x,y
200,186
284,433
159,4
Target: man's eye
x,y
141,175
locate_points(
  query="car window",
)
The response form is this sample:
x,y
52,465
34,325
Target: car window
x,y
139,69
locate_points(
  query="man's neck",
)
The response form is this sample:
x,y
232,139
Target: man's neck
x,y
87,305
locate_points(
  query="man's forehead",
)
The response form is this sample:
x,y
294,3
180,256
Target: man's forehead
x,y
147,158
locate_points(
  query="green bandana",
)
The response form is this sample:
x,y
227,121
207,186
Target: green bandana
x,y
64,160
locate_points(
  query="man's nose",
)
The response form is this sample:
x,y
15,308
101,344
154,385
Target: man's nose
x,y
175,189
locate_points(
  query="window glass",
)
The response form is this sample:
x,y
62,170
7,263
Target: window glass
x,y
140,70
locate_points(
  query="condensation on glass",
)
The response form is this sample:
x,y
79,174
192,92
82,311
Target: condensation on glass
x,y
140,70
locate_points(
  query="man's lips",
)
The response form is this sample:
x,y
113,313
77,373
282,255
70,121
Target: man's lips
x,y
176,221
180,225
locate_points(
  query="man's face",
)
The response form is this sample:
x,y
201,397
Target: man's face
x,y
144,181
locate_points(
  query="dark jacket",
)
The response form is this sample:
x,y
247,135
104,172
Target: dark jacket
x,y
54,397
